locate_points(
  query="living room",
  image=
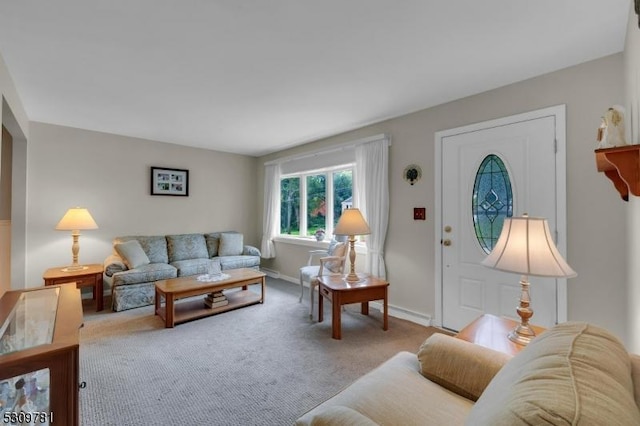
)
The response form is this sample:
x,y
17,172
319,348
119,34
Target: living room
x,y
59,166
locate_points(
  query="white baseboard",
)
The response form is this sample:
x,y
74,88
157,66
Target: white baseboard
x,y
271,273
394,311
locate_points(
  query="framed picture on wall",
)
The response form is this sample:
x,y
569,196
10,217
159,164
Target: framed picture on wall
x,y
169,181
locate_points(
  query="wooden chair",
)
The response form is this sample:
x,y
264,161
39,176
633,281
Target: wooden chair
x,y
331,263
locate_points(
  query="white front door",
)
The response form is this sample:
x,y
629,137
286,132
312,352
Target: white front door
x,y
511,167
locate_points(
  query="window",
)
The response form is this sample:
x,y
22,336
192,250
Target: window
x,y
492,201
314,200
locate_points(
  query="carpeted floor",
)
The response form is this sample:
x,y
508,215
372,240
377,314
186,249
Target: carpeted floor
x,y
259,365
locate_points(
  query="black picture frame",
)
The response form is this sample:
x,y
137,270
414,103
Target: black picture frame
x,y
166,181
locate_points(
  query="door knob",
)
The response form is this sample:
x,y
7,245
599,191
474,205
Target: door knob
x,y
447,228
446,242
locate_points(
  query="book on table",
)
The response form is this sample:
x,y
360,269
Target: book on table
x,y
211,298
215,304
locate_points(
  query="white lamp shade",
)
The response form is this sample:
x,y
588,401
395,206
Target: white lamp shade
x,y
525,247
76,219
352,223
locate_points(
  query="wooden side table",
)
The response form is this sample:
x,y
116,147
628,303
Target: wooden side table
x,y
491,332
90,277
341,292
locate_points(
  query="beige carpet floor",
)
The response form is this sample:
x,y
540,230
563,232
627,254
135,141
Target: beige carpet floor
x,y
259,365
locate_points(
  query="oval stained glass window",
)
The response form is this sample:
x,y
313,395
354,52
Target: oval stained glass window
x,y
492,201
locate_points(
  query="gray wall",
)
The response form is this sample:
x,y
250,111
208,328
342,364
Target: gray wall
x,y
110,175
599,292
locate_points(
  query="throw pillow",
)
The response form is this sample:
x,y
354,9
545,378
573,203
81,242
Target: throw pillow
x,y
231,244
339,250
132,254
460,366
186,247
213,241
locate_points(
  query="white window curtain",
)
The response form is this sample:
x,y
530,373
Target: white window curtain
x,y
271,215
372,198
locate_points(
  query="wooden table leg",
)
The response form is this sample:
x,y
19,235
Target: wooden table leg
x,y
385,315
364,309
168,304
320,307
98,293
263,289
336,324
157,302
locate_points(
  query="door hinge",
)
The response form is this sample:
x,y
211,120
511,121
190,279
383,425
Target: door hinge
x,y
555,146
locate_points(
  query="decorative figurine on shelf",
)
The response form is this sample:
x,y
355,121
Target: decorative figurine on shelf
x,y
611,130
319,235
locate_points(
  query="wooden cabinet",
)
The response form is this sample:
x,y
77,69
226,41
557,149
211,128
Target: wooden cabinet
x,y
39,355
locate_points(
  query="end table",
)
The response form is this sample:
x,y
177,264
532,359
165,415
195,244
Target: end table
x,y
90,277
491,332
340,292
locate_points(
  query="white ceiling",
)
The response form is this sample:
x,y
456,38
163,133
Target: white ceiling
x,y
256,76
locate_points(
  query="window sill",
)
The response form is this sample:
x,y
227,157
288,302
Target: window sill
x,y
315,245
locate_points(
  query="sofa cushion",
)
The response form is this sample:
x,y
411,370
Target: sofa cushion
x,y
213,241
144,274
231,244
154,246
395,393
235,262
186,246
459,366
132,254
574,373
192,266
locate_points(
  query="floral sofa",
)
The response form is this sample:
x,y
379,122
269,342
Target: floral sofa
x,y
138,262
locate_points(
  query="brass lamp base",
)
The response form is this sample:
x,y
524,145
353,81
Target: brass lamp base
x,y
352,278
522,334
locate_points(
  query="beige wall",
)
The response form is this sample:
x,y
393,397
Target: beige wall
x,y
109,175
598,294
632,104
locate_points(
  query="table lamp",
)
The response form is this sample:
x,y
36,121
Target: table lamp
x,y
352,223
74,220
525,247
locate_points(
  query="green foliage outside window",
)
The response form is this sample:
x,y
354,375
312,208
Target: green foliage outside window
x,y
316,190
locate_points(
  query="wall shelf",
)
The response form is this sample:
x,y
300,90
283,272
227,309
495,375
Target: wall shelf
x,y
622,166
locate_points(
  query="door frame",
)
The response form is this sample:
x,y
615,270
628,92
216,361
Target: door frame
x,y
559,113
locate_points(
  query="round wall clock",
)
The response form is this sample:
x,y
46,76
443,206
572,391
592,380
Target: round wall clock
x,y
412,173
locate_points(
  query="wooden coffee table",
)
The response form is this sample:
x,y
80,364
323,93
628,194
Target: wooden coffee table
x,y
179,288
341,292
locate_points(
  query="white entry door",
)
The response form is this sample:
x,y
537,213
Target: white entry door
x,y
488,172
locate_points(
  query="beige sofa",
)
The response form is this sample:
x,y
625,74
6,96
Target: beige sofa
x,y
573,374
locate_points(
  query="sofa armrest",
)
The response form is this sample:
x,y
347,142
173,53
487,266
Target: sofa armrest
x,y
250,251
113,264
460,366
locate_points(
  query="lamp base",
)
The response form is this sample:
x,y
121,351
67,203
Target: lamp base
x,y
352,278
522,334
74,268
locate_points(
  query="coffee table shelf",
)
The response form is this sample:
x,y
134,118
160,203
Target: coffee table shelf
x,y
180,305
187,310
